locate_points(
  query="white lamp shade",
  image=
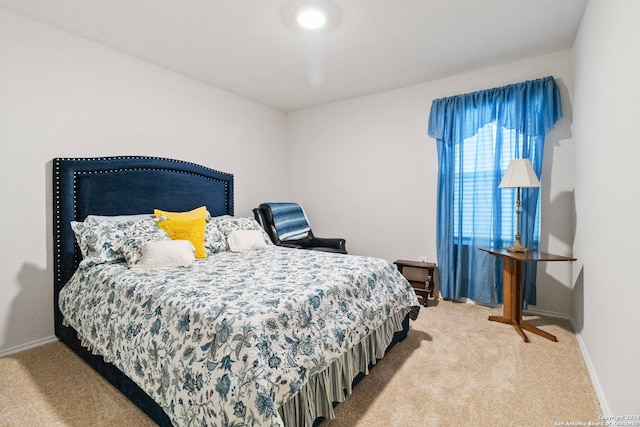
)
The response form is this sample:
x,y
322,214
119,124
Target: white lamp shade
x,y
519,174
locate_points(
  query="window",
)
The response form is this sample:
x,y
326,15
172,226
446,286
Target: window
x,y
476,217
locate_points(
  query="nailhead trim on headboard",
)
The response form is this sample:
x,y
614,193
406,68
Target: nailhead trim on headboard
x,y
56,209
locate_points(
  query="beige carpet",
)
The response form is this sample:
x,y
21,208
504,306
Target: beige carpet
x,y
454,369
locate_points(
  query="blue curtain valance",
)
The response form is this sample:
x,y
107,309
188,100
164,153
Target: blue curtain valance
x,y
531,108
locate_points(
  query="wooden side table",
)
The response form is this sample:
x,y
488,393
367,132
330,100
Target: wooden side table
x,y
512,288
422,288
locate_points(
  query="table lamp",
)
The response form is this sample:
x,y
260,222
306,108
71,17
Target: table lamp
x,y
519,174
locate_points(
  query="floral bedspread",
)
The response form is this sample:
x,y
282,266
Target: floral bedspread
x,y
226,341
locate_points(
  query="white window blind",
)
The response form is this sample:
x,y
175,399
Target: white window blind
x,y
480,164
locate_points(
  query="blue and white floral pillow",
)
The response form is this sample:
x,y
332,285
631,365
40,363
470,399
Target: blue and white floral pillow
x,y
99,242
220,228
214,241
137,234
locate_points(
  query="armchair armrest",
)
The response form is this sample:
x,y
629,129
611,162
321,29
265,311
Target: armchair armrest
x,y
334,243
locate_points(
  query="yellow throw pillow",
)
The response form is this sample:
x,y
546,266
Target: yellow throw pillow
x,y
200,212
191,230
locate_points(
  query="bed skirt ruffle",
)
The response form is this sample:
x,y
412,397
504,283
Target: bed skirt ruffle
x,y
316,398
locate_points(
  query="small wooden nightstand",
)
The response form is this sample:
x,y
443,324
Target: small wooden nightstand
x,y
423,288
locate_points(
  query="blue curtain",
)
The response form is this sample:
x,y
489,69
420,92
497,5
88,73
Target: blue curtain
x,y
523,114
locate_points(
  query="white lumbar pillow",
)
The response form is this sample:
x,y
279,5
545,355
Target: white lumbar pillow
x,y
246,240
167,253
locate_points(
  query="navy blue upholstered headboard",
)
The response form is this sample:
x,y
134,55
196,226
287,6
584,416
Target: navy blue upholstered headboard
x,y
121,186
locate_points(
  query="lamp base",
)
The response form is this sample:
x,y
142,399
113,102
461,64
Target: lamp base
x,y
517,247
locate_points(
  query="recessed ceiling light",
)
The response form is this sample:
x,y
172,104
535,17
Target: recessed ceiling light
x,y
310,16
312,19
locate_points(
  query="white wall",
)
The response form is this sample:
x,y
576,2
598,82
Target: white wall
x,y
380,170
63,96
606,129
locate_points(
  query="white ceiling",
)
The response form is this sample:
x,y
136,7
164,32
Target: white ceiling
x,y
251,48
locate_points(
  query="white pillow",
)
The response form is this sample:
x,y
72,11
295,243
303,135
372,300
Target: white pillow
x,y
137,234
167,253
246,240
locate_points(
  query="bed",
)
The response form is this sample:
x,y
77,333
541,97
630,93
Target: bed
x,y
269,336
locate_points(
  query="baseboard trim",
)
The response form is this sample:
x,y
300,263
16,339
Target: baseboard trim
x,y
604,406
528,311
557,315
27,346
